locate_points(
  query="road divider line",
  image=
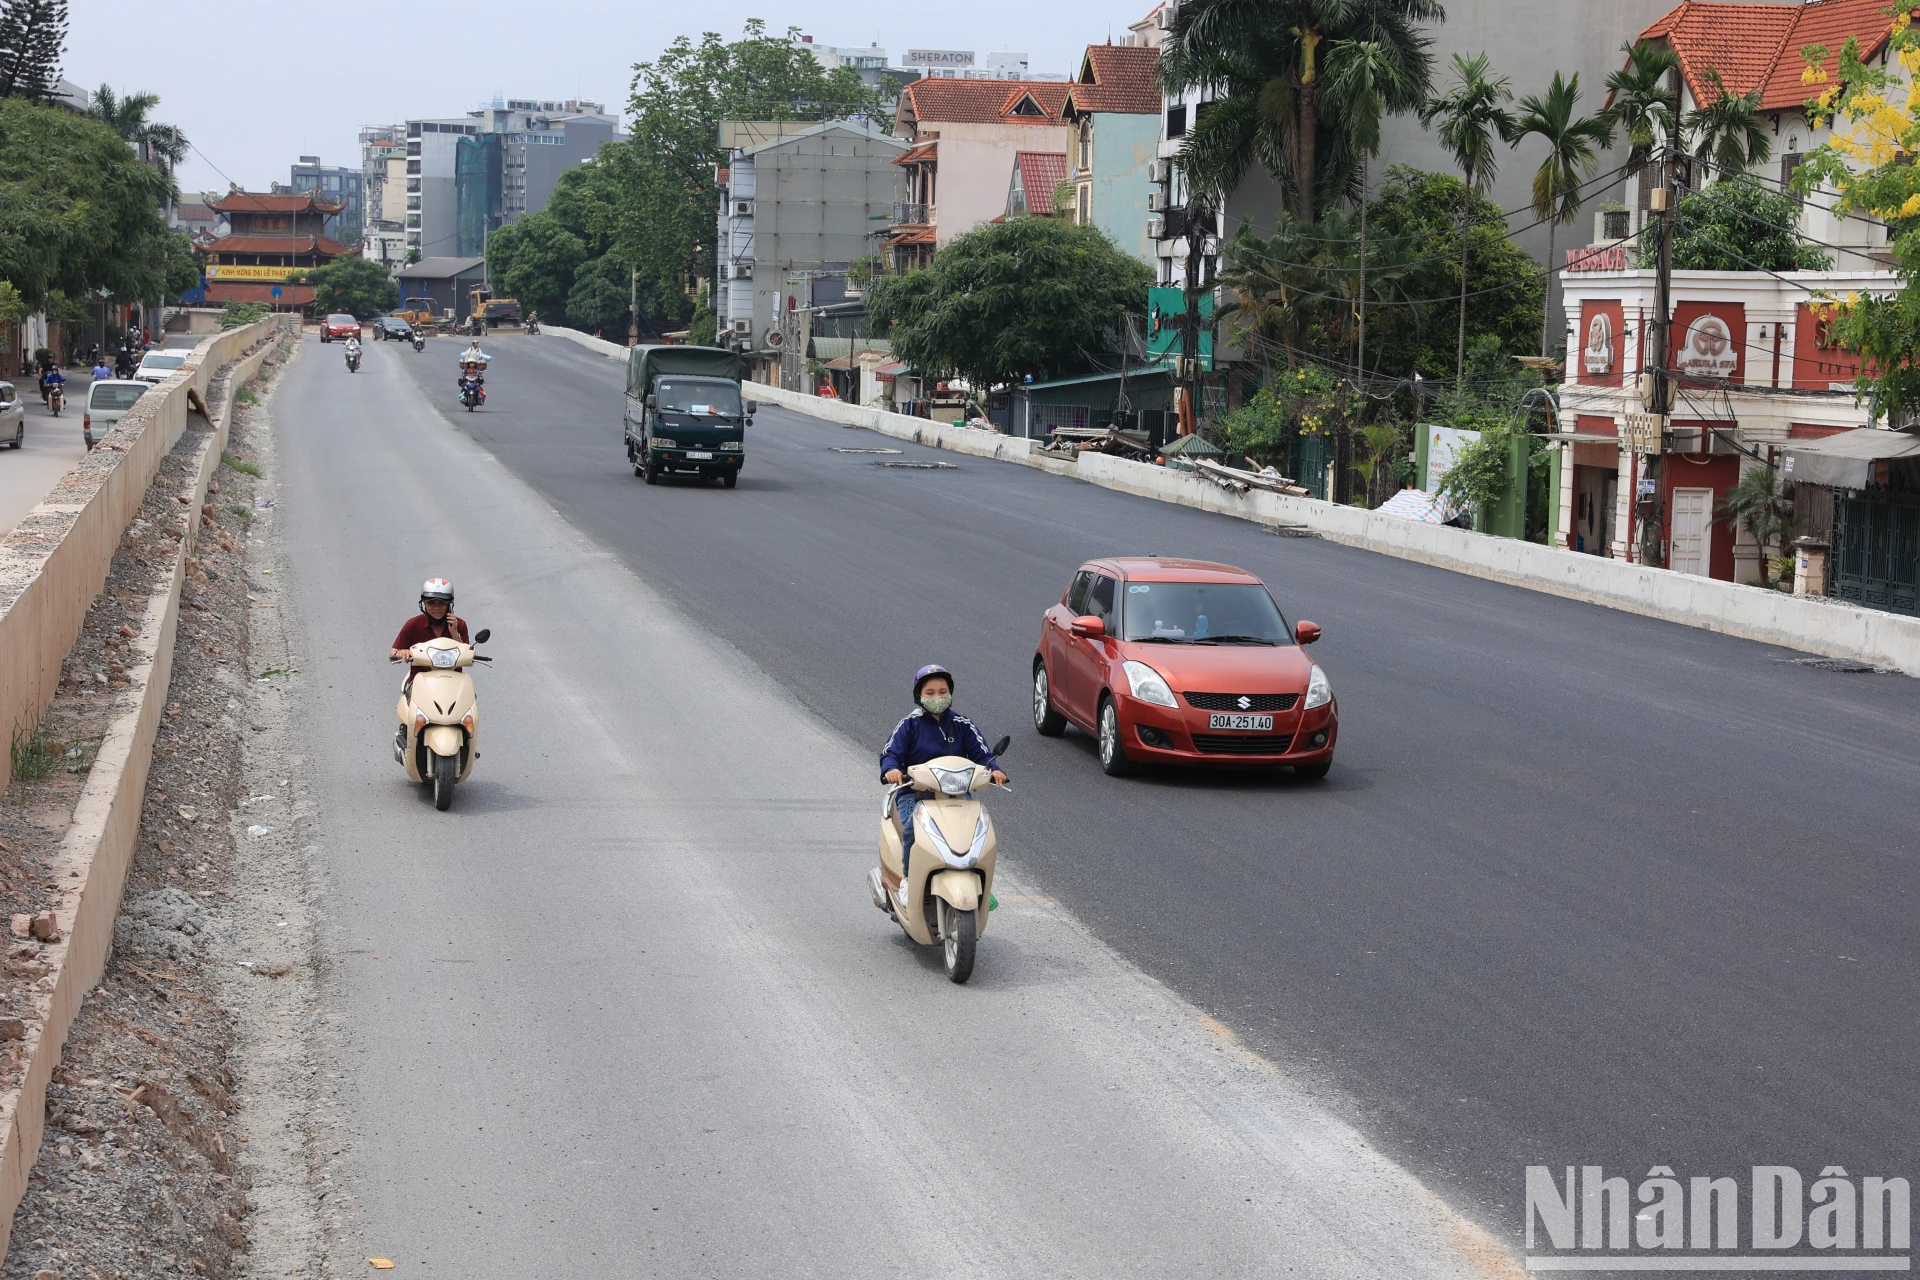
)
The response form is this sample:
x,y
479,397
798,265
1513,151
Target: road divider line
x,y
97,850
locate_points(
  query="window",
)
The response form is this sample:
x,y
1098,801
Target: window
x,y
1086,144
1187,612
1027,107
413,166
1100,598
413,148
1077,592
413,128
1177,122
1788,163
1085,197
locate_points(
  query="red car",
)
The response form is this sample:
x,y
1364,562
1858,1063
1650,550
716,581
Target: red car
x,y
1182,662
342,327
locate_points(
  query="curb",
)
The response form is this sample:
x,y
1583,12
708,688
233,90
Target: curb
x,y
97,850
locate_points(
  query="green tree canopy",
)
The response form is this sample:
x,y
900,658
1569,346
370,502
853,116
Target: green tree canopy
x,y
534,260
1028,296
1738,224
184,263
353,285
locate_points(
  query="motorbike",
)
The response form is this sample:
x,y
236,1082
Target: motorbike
x,y
419,343
56,398
439,717
946,899
533,327
353,361
472,394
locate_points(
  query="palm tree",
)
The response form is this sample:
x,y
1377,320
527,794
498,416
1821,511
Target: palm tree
x,y
1727,132
1640,100
1271,106
1572,142
159,144
1470,115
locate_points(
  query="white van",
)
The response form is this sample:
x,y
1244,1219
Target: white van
x,y
107,403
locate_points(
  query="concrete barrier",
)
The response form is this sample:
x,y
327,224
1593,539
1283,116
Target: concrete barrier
x,y
55,561
97,850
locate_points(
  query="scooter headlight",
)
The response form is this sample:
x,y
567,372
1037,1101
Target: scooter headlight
x,y
954,782
930,833
444,658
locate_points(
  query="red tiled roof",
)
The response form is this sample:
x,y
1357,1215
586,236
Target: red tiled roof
x,y
275,202
981,101
277,244
1117,78
912,155
925,235
1041,173
1757,46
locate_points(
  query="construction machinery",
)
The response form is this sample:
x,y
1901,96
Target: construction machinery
x,y
488,312
418,312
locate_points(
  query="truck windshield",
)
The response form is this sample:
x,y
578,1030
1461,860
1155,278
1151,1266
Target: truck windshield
x,y
699,399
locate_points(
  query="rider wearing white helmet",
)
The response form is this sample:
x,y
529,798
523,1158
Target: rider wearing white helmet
x,y
435,619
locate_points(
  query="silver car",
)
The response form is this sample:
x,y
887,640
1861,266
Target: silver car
x,y
107,402
13,413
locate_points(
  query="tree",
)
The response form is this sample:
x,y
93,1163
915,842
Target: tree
x,y
1571,145
1471,114
1728,132
351,284
534,260
33,34
161,144
598,299
1025,297
1764,505
184,264
1644,105
1739,224
1259,61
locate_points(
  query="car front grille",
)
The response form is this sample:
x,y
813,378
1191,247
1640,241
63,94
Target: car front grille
x,y
1235,744
1231,701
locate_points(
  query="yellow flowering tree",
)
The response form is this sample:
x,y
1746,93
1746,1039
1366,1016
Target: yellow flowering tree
x,y
1875,117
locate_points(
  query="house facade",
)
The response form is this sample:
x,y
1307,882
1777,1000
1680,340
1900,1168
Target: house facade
x,y
1113,108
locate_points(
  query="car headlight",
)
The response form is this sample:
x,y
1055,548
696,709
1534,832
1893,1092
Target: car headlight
x,y
1148,685
1319,688
659,443
444,658
728,444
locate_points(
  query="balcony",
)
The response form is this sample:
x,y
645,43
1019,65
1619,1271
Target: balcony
x,y
910,213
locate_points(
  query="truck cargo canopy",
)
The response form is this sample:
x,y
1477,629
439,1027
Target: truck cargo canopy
x,y
644,364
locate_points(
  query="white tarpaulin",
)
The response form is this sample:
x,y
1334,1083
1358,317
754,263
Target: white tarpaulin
x,y
1845,461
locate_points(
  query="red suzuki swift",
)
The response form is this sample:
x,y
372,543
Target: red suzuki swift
x,y
1183,662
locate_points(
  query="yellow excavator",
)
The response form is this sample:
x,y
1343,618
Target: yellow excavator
x,y
418,312
484,311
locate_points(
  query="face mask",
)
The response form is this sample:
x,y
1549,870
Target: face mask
x,y
937,706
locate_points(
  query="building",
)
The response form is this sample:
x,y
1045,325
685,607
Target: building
x,y
383,170
446,281
1113,108
1038,177
198,221
959,64
431,209
271,236
334,183
799,201
964,135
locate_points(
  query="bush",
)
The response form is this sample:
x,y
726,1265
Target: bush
x,y
237,315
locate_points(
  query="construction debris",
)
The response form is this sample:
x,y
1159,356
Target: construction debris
x,y
1235,480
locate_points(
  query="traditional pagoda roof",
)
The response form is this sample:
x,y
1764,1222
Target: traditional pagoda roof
x,y
277,244
274,202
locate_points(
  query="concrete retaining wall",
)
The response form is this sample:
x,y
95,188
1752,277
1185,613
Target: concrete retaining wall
x,y
55,561
99,845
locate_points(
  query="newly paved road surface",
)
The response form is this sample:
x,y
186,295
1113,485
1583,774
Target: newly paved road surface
x,y
626,1010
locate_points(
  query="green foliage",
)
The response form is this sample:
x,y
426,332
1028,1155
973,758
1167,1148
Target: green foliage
x,y
1028,296
534,260
1762,503
237,464
1728,131
1738,224
1641,103
1303,401
235,315
1478,479
32,35
184,263
353,285
127,116
598,299
413,256
1572,143
13,308
703,329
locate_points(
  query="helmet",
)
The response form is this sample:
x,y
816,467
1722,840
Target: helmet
x,y
927,673
439,589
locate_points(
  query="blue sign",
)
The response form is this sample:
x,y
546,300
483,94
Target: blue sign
x,y
276,293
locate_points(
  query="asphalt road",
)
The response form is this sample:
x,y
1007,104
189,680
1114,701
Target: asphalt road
x,y
1582,888
626,1009
53,447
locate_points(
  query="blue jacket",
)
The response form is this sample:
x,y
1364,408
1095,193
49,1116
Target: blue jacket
x,y
921,737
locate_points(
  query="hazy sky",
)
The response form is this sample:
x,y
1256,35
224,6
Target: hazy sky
x,y
254,87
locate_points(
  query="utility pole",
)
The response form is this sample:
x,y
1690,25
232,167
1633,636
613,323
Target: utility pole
x,y
1664,201
1198,219
633,309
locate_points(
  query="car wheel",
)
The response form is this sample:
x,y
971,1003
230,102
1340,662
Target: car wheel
x,y
1047,722
1313,770
1113,752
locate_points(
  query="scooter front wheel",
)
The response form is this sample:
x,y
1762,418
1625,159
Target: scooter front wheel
x,y
959,943
444,769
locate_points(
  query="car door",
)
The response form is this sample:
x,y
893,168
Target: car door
x,y
1054,636
1087,657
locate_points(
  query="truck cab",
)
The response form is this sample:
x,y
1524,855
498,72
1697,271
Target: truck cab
x,y
685,414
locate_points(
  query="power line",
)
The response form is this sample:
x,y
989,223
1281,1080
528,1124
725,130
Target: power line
x,y
1775,226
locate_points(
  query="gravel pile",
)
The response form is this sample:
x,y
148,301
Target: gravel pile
x,y
140,1173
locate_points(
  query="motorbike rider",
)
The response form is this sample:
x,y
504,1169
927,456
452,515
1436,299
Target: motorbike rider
x,y
123,362
436,620
100,371
51,379
931,730
472,361
353,348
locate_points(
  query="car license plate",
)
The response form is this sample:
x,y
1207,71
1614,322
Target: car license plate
x,y
696,455
1252,724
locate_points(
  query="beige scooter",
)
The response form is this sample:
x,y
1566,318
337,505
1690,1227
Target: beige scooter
x,y
439,716
951,889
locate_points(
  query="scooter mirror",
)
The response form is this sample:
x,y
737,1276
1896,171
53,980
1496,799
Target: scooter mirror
x,y
480,636
1000,747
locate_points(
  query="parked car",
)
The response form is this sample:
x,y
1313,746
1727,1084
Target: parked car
x,y
339,326
158,365
1182,662
392,327
13,413
107,402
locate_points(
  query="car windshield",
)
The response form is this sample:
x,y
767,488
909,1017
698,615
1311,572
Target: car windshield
x,y
700,399
1201,613
114,395
341,320
155,360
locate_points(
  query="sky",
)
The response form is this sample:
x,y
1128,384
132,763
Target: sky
x,y
256,87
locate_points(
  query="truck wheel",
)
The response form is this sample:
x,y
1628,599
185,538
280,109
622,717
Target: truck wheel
x,y
651,471
730,479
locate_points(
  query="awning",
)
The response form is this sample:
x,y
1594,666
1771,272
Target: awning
x,y
1845,461
828,348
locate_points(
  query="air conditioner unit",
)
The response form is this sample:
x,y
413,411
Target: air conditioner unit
x,y
743,208
1166,17
743,326
1156,201
1156,227
1158,171
742,271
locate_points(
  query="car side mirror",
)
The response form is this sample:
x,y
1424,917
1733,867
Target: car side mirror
x,y
482,636
753,407
1088,627
1000,748
1306,632
650,404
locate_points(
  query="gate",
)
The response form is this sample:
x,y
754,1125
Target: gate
x,y
1876,543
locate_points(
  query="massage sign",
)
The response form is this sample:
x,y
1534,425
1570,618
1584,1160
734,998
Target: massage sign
x,y
1708,350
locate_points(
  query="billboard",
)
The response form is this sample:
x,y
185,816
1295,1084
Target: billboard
x,y
1166,310
233,274
939,58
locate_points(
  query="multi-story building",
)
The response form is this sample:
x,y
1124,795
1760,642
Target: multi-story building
x,y
271,236
960,64
335,184
431,208
1113,108
383,169
798,201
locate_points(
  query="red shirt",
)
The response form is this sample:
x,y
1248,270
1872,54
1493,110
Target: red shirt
x,y
420,629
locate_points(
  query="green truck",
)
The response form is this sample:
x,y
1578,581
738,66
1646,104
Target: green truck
x,y
684,413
